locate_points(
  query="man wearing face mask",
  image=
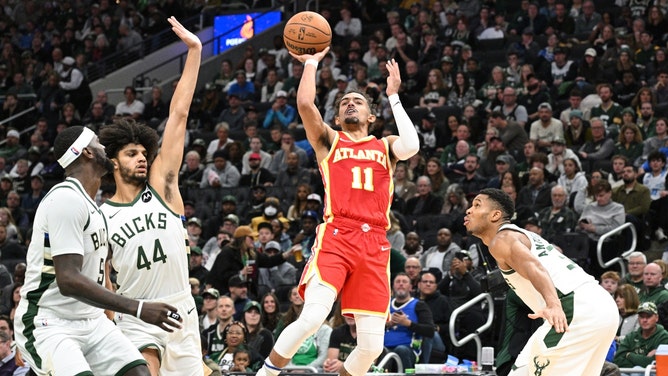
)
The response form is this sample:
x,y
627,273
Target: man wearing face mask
x,y
272,210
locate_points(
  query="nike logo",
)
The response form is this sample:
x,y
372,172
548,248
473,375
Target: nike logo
x,y
113,215
190,310
385,248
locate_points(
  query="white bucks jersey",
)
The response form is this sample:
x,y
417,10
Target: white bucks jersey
x,y
565,274
149,247
67,221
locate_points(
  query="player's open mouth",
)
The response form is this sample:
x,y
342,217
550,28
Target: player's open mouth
x,y
350,111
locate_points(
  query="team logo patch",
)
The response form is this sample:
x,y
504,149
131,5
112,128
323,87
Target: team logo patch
x,y
146,196
74,150
540,365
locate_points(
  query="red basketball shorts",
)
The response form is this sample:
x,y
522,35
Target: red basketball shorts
x,y
353,259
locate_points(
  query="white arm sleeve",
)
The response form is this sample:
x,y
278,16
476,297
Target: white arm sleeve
x,y
408,143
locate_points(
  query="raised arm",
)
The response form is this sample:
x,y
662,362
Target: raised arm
x,y
511,252
407,143
165,168
318,133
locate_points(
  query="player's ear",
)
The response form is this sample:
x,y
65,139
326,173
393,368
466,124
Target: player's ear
x,y
372,119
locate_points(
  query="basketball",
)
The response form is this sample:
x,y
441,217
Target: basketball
x,y
307,33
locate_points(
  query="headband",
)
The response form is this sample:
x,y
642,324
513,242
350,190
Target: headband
x,y
73,152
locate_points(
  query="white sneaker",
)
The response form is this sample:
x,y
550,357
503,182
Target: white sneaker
x,y
660,235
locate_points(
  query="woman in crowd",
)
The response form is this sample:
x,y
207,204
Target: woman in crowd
x,y
573,180
586,196
435,92
461,93
299,204
403,186
629,142
439,183
455,202
259,338
394,235
235,336
271,314
627,301
296,306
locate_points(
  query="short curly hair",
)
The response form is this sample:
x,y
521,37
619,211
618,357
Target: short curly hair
x,y
122,132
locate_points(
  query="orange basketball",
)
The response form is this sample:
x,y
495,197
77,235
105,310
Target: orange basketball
x,y
307,33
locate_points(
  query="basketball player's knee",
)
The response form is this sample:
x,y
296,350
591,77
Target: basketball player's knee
x,y
371,349
312,319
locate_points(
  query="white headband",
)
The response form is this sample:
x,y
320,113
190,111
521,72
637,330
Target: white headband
x,y
73,152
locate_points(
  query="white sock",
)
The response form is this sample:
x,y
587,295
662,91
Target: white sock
x,y
268,369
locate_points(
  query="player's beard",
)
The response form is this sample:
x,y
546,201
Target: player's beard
x,y
352,120
129,177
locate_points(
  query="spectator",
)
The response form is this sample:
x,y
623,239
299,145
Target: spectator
x,y
512,133
655,181
155,111
426,202
653,290
597,151
546,129
412,246
511,109
348,26
572,179
281,112
191,171
132,107
627,301
279,161
74,83
241,87
440,256
561,23
635,197
440,310
221,173
293,174
599,217
577,132
410,321
256,175
461,93
629,143
270,311
259,339
472,182
636,262
197,269
536,194
638,348
587,20
433,138
412,268
129,42
341,343
559,153
209,309
234,114
609,112
559,218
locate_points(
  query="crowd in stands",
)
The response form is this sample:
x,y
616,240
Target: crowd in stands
x,y
560,104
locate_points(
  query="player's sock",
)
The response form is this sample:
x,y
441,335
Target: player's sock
x,y
268,369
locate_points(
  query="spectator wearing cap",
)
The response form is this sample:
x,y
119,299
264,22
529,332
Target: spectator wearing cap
x,y
238,292
196,267
433,137
194,230
221,173
74,83
234,114
638,348
558,219
257,175
131,107
259,338
526,48
233,261
503,163
559,152
281,112
279,278
209,314
589,72
578,132
314,203
562,73
546,128
561,23
192,170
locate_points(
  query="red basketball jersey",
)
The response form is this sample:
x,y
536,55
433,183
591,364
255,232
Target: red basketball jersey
x,y
357,175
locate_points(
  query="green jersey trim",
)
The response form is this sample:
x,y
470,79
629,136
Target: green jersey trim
x,y
129,366
29,317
